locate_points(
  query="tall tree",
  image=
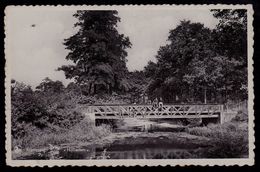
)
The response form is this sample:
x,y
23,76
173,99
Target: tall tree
x,y
188,48
230,38
98,52
150,69
137,86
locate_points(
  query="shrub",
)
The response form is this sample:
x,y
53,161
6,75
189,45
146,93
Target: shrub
x,y
87,131
200,131
229,140
228,145
194,121
84,131
241,116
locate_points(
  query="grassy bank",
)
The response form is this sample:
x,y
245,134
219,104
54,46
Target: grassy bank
x,y
85,131
228,140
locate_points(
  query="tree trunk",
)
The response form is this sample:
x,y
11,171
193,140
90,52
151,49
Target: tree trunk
x,y
109,88
95,88
205,95
225,94
89,89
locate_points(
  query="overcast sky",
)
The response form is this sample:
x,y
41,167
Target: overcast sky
x,y
35,52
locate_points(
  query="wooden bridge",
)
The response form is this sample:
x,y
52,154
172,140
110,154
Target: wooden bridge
x,y
148,111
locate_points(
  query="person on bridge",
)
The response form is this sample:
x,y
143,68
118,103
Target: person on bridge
x,y
155,103
160,104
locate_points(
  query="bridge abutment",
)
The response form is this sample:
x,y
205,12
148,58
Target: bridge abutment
x,y
90,116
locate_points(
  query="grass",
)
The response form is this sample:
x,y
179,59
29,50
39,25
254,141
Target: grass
x,y
85,131
228,140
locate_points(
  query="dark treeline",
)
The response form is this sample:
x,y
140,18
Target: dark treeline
x,y
198,65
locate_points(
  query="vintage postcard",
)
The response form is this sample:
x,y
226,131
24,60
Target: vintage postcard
x,y
129,85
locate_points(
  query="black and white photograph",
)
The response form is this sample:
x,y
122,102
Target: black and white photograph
x,y
129,85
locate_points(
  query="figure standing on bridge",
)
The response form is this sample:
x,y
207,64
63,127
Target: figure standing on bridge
x,y
160,104
155,103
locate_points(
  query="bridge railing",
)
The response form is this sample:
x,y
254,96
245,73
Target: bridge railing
x,y
148,110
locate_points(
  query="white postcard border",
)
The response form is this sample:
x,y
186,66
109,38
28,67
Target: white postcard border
x,y
140,162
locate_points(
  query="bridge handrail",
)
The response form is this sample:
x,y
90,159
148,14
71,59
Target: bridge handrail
x,y
167,104
198,107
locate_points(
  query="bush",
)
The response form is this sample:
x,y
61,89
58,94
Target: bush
x,y
36,138
200,131
52,116
229,145
194,121
241,116
229,140
85,131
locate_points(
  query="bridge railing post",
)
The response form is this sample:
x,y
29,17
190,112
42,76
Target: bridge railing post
x,y
90,109
221,116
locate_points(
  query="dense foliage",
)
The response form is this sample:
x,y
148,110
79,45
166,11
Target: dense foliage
x,y
46,107
98,52
25,109
197,65
227,140
201,65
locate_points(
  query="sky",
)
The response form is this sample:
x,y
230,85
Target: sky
x,y
35,36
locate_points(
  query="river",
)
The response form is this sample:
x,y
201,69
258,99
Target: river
x,y
130,145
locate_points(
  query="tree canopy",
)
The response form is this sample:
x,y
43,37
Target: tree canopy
x,y
199,64
230,37
98,52
188,49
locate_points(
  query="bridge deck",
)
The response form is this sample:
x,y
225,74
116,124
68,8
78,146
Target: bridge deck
x,y
148,111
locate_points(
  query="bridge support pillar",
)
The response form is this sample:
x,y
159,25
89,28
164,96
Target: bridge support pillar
x,y
221,118
91,116
221,115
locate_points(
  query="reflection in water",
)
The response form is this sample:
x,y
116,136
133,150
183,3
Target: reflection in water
x,y
149,154
146,153
115,151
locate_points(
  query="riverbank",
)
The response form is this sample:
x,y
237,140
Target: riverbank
x,y
228,140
